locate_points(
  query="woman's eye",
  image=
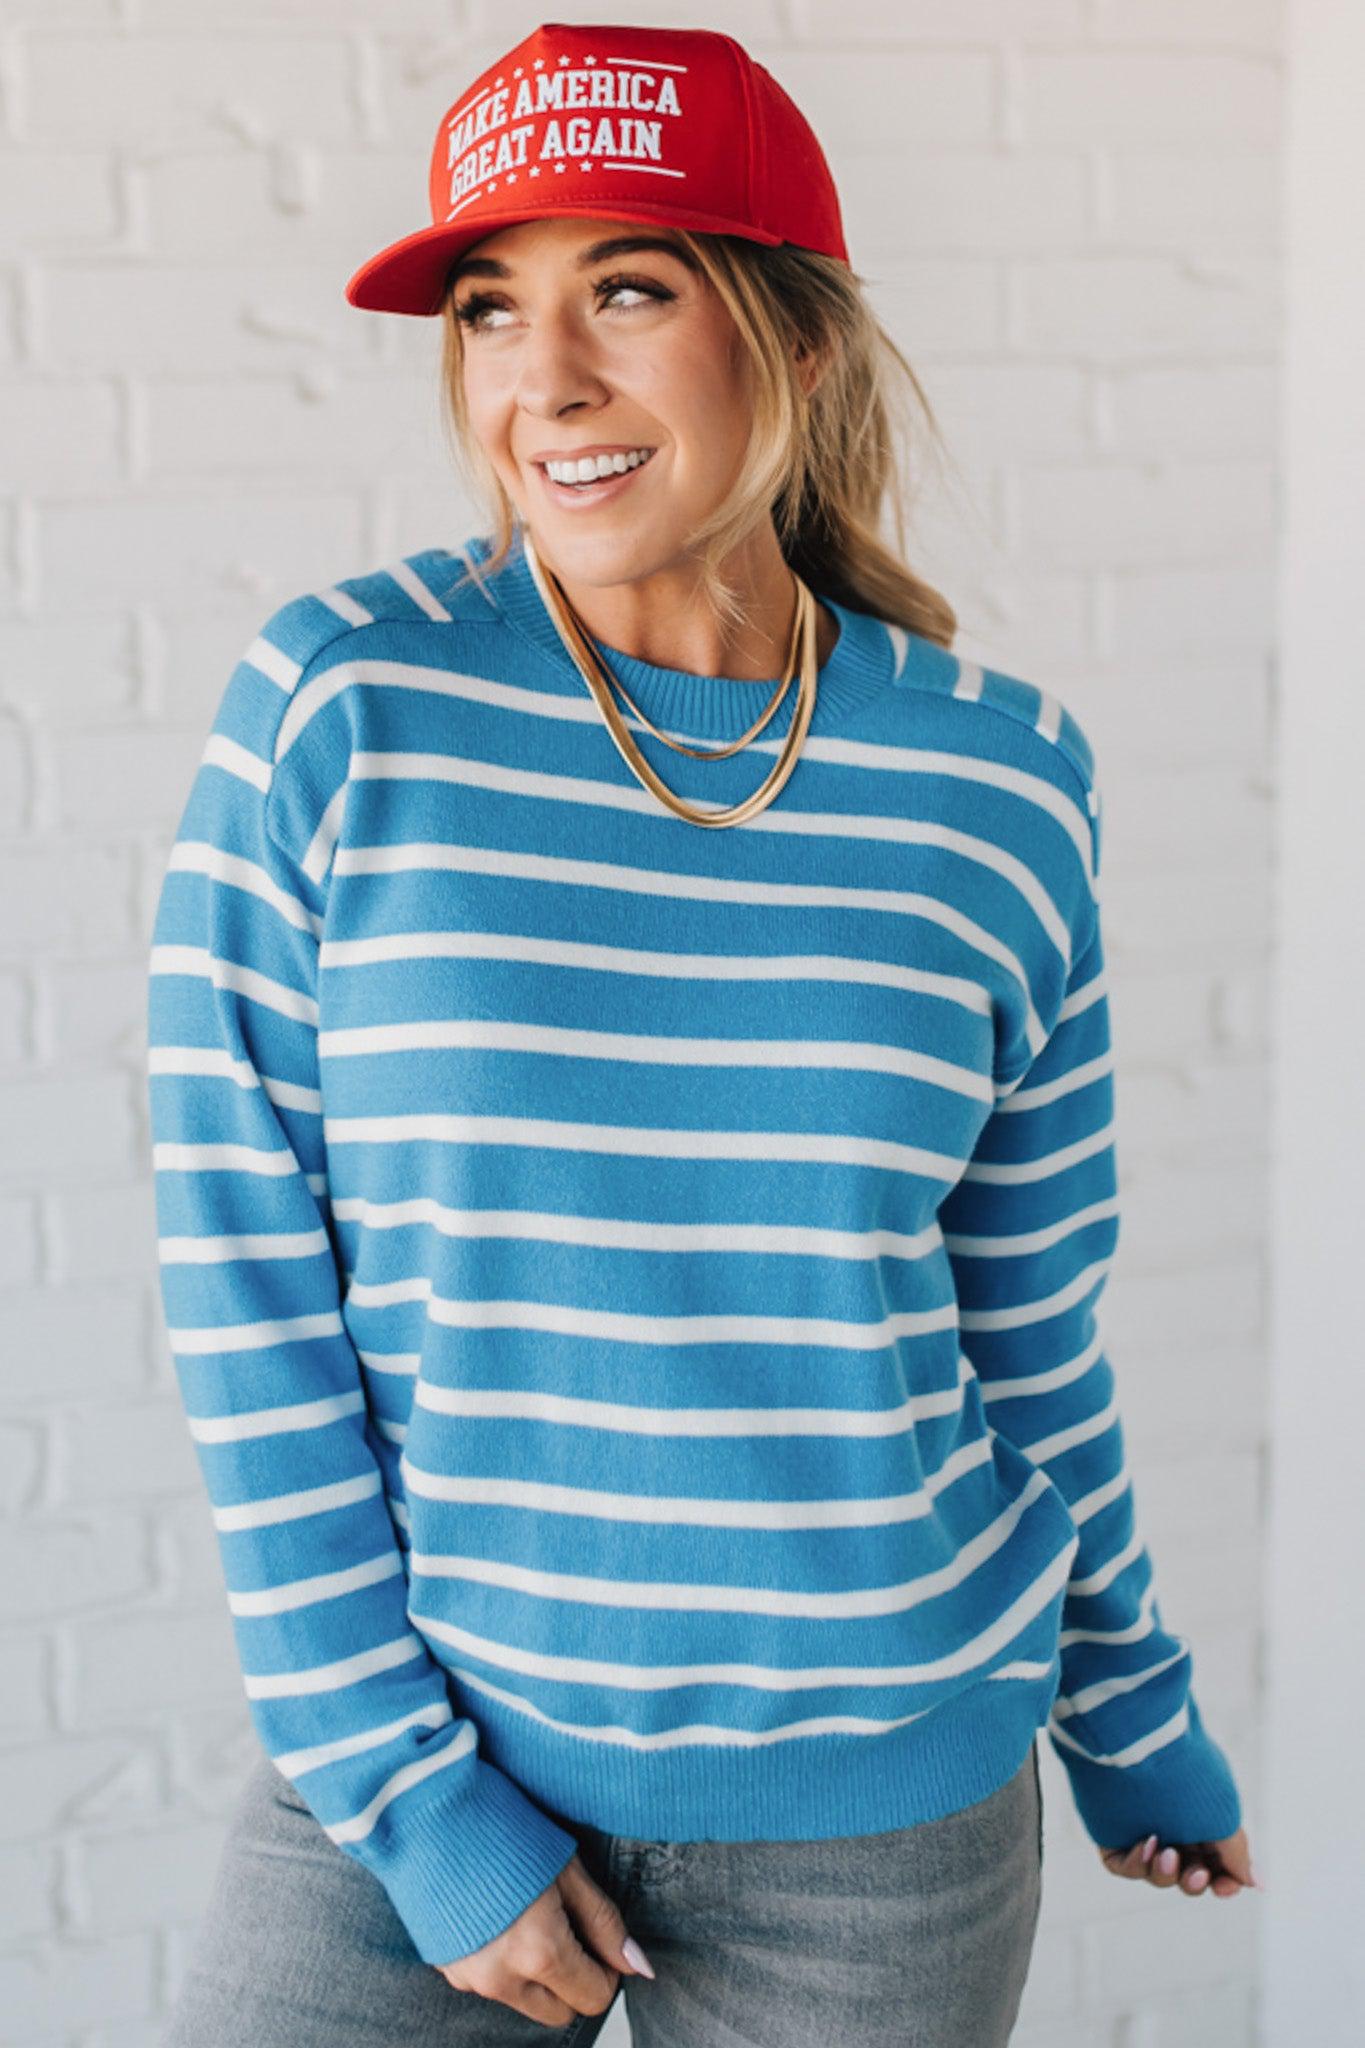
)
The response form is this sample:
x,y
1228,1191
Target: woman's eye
x,y
609,291
471,313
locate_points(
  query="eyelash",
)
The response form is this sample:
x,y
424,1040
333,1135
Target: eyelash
x,y
468,312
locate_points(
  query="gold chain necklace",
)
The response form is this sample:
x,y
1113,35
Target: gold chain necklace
x,y
599,679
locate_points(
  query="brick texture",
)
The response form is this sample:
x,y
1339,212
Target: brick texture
x,y
1065,212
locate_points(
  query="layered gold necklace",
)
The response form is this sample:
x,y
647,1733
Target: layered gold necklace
x,y
589,662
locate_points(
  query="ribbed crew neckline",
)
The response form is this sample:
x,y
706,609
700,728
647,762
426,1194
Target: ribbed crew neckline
x,y
860,665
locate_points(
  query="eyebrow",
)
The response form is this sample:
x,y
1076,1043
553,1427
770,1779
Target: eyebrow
x,y
596,252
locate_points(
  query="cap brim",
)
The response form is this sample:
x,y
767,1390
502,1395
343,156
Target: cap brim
x,y
409,276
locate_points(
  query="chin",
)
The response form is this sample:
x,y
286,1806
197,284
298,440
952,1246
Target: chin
x,y
599,559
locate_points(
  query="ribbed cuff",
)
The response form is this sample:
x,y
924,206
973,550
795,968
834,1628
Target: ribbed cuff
x,y
460,1871
1184,1792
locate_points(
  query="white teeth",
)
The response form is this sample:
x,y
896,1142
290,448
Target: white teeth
x,y
590,467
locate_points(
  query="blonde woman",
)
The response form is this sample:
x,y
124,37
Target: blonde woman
x,y
632,1089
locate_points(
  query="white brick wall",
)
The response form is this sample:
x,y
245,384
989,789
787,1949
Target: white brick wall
x,y
1066,213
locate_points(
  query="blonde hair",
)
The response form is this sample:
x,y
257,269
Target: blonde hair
x,y
823,464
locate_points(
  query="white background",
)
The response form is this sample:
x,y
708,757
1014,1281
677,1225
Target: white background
x,y
1072,216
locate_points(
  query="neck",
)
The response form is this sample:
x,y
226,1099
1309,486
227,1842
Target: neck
x,y
664,617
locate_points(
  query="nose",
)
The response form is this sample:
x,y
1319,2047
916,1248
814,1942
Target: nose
x,y
555,369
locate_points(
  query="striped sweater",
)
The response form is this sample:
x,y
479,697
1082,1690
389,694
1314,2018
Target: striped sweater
x,y
633,1288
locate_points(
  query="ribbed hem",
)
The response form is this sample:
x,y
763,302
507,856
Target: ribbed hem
x,y
804,1789
860,666
1185,1792
461,1870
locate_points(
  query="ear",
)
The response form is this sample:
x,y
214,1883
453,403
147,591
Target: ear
x,y
811,365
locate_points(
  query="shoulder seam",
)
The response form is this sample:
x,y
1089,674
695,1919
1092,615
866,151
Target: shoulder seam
x,y
288,673
975,674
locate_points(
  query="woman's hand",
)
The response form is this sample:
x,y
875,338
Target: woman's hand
x,y
538,1965
1222,1868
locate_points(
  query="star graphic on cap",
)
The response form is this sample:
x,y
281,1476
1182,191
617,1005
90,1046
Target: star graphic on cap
x,y
511,177
563,60
539,64
535,170
590,60
517,73
559,167
585,166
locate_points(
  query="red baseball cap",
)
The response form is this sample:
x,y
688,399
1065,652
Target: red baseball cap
x,y
678,126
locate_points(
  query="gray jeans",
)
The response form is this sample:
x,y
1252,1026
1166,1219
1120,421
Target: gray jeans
x,y
919,1937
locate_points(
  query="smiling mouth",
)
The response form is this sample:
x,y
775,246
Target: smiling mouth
x,y
591,487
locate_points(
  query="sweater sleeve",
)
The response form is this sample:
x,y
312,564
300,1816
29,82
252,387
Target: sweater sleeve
x,y
343,1693
1031,1231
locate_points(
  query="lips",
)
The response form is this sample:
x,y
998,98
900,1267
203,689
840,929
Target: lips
x,y
591,494
607,475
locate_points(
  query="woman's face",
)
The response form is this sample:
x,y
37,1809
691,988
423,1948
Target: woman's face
x,y
574,344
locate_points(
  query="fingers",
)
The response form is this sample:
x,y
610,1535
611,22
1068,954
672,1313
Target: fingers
x,y
596,1916
538,2003
520,1994
1131,1862
538,1966
550,1980
1191,1874
567,1970
1195,1867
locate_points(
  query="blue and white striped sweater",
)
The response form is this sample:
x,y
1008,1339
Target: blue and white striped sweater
x,y
632,1287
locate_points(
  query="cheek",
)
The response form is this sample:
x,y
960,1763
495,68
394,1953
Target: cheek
x,y
695,393
718,431
714,377
486,384
490,422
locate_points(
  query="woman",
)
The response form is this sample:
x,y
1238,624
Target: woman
x,y
598,1206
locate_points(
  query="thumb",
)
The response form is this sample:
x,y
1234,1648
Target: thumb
x,y
595,1916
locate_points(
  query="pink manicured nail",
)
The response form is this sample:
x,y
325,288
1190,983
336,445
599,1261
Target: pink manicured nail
x,y
1168,1860
1199,1879
635,1955
1148,1848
